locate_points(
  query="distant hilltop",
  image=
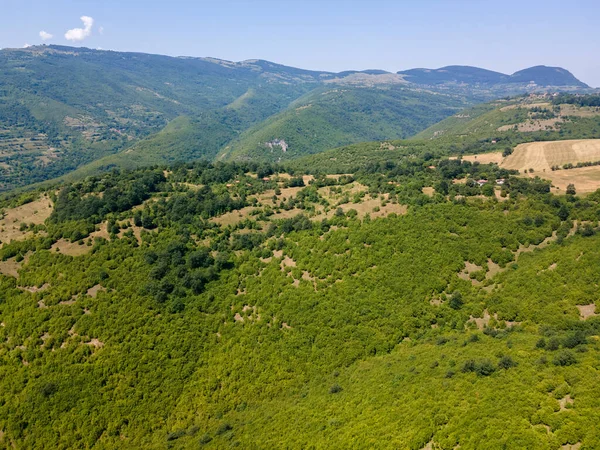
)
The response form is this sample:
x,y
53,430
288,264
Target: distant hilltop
x,y
540,76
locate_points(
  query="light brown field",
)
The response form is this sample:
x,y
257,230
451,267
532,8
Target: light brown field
x,y
371,206
70,248
10,267
527,106
535,125
74,248
541,156
233,217
485,158
35,212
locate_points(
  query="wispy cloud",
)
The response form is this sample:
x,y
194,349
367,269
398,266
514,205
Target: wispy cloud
x,y
79,34
101,30
45,35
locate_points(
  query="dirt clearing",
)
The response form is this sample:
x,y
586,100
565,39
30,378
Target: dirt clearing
x,y
35,212
586,311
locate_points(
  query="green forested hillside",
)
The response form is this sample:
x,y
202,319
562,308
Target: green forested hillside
x,y
497,126
235,305
534,117
333,116
64,109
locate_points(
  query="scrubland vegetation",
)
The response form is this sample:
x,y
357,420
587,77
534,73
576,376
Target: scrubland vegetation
x,y
468,318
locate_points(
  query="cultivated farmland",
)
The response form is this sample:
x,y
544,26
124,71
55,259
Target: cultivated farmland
x,y
541,156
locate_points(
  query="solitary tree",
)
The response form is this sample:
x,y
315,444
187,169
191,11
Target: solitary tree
x,y
571,189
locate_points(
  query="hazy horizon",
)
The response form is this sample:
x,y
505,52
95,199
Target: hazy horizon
x,y
328,36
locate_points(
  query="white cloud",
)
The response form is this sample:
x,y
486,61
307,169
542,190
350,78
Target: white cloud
x,y
27,46
79,34
101,30
45,35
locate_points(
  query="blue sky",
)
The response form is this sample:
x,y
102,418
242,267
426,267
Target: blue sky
x,y
327,34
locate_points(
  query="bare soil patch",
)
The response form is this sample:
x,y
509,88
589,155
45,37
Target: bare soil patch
x,y
95,343
287,262
563,402
429,191
251,313
585,179
93,291
465,274
75,248
437,301
549,268
481,322
493,269
586,311
101,231
44,337
34,289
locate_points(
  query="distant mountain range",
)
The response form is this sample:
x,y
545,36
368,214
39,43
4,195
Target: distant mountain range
x,y
533,77
64,108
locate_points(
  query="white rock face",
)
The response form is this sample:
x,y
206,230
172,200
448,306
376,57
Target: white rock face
x,y
278,143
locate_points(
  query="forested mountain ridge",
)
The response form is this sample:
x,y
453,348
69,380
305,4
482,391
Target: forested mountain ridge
x,y
63,107
533,77
245,305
